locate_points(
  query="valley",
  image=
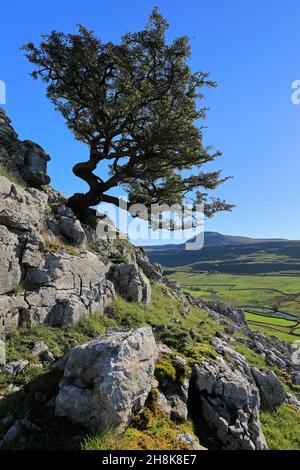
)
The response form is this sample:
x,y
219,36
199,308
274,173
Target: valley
x,y
260,276
271,302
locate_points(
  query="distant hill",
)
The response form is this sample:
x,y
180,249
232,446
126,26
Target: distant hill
x,y
231,254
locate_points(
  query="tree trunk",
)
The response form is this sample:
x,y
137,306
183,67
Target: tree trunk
x,y
80,202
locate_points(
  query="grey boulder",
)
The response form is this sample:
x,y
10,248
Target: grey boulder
x,y
108,379
10,271
131,283
271,390
227,401
22,209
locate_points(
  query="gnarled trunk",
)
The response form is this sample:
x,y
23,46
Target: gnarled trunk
x,y
80,202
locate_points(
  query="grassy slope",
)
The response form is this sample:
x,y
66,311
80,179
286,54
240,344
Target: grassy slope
x,y
150,429
282,428
268,291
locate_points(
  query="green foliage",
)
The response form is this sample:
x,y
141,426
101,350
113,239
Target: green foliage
x,y
94,246
282,428
12,178
52,244
118,259
59,340
254,359
169,369
149,430
142,76
187,335
199,351
259,293
72,251
165,315
20,289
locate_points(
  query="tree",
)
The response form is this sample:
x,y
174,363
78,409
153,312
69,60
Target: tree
x,y
135,105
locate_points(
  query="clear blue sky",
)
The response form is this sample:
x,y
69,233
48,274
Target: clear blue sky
x,y
250,47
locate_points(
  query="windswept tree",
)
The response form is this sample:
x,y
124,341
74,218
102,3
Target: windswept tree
x,y
135,105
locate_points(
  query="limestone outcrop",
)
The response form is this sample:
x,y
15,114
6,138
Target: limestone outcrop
x,y
227,401
27,160
108,379
56,269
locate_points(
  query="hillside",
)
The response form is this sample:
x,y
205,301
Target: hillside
x,y
231,254
99,351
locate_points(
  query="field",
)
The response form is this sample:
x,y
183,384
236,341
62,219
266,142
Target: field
x,y
271,302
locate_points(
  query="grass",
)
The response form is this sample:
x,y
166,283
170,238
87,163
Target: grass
x,y
282,428
11,177
184,333
188,334
58,340
149,430
254,359
94,246
285,337
273,293
54,243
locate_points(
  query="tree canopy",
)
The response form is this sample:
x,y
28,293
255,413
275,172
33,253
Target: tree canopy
x,y
135,104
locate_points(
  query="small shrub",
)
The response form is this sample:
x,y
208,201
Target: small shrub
x,y
165,370
72,251
54,243
94,246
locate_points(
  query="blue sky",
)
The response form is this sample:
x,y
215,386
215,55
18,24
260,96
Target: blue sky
x,y
250,47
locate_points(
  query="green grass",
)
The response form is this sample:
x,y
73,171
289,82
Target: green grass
x,y
254,359
268,320
12,178
189,335
286,337
277,292
58,340
282,428
149,430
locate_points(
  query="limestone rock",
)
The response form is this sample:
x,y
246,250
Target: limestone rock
x,y
163,404
108,379
34,168
38,347
227,400
154,272
66,272
235,314
26,160
191,441
62,221
19,208
131,283
14,368
296,378
292,400
271,390
10,271
11,309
